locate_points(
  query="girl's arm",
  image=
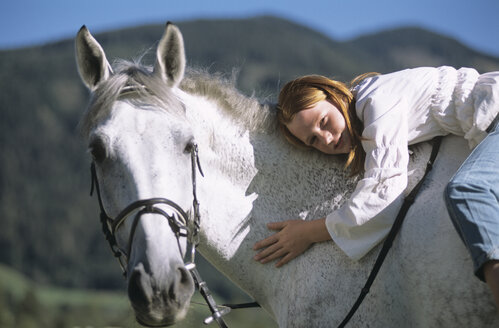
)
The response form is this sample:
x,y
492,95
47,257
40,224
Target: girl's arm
x,y
292,239
367,216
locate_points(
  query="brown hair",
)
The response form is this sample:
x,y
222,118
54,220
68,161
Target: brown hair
x,y
304,92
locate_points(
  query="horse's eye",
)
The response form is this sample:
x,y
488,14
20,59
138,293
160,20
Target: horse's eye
x,y
98,149
189,146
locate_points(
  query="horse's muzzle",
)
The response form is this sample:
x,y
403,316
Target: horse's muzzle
x,y
158,301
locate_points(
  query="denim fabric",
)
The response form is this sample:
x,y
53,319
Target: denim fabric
x,y
472,199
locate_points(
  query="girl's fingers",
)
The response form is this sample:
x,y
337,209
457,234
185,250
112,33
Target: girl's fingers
x,y
267,251
276,225
285,260
272,239
277,254
266,242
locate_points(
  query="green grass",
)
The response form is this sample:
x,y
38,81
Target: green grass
x,y
26,304
16,282
54,296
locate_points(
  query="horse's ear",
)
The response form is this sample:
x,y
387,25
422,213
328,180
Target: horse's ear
x,y
170,56
91,59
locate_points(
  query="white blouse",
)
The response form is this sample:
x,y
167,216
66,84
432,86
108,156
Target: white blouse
x,y
400,109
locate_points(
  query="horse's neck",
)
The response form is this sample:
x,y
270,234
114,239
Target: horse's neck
x,y
227,159
252,179
228,162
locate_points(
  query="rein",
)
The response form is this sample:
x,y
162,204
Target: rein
x,y
181,223
408,201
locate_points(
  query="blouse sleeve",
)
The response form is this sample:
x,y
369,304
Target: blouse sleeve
x,y
366,218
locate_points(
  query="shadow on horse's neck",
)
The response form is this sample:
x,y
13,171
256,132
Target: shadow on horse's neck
x,y
275,182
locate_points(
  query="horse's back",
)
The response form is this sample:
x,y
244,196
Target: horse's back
x,y
427,278
437,268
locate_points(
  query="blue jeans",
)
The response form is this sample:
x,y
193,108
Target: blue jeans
x,y
472,199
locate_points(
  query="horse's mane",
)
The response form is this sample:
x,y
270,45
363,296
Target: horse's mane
x,y
151,91
248,111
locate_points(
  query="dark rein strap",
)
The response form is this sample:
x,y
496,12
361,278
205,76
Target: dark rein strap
x,y
408,201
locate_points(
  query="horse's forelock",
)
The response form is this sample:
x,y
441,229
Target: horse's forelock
x,y
152,91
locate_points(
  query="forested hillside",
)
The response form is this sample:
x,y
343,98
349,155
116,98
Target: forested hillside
x,y
49,224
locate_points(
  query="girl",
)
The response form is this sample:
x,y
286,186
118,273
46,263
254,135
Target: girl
x,y
373,123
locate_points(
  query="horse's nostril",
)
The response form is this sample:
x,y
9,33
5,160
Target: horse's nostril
x,y
185,276
139,291
183,284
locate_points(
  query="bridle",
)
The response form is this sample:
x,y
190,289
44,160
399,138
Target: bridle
x,y
182,223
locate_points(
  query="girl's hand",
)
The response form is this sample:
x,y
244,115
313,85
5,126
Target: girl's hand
x,y
292,238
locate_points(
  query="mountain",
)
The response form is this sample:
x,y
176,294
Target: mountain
x,y
49,224
413,47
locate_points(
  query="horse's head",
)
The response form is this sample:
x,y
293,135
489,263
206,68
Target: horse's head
x,y
141,146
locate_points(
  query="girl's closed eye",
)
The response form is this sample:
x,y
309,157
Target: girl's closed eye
x,y
323,122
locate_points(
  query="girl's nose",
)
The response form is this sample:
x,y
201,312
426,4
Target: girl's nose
x,y
326,137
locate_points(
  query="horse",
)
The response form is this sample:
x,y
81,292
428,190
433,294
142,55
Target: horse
x,y
141,126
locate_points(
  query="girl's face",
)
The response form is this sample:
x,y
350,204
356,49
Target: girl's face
x,y
323,127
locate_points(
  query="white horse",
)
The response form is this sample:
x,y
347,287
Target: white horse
x,y
141,124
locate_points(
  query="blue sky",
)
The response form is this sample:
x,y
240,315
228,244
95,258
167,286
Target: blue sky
x,y
473,22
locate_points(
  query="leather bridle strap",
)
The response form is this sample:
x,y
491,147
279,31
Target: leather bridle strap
x,y
408,201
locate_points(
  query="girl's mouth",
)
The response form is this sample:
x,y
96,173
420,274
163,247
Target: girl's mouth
x,y
338,144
